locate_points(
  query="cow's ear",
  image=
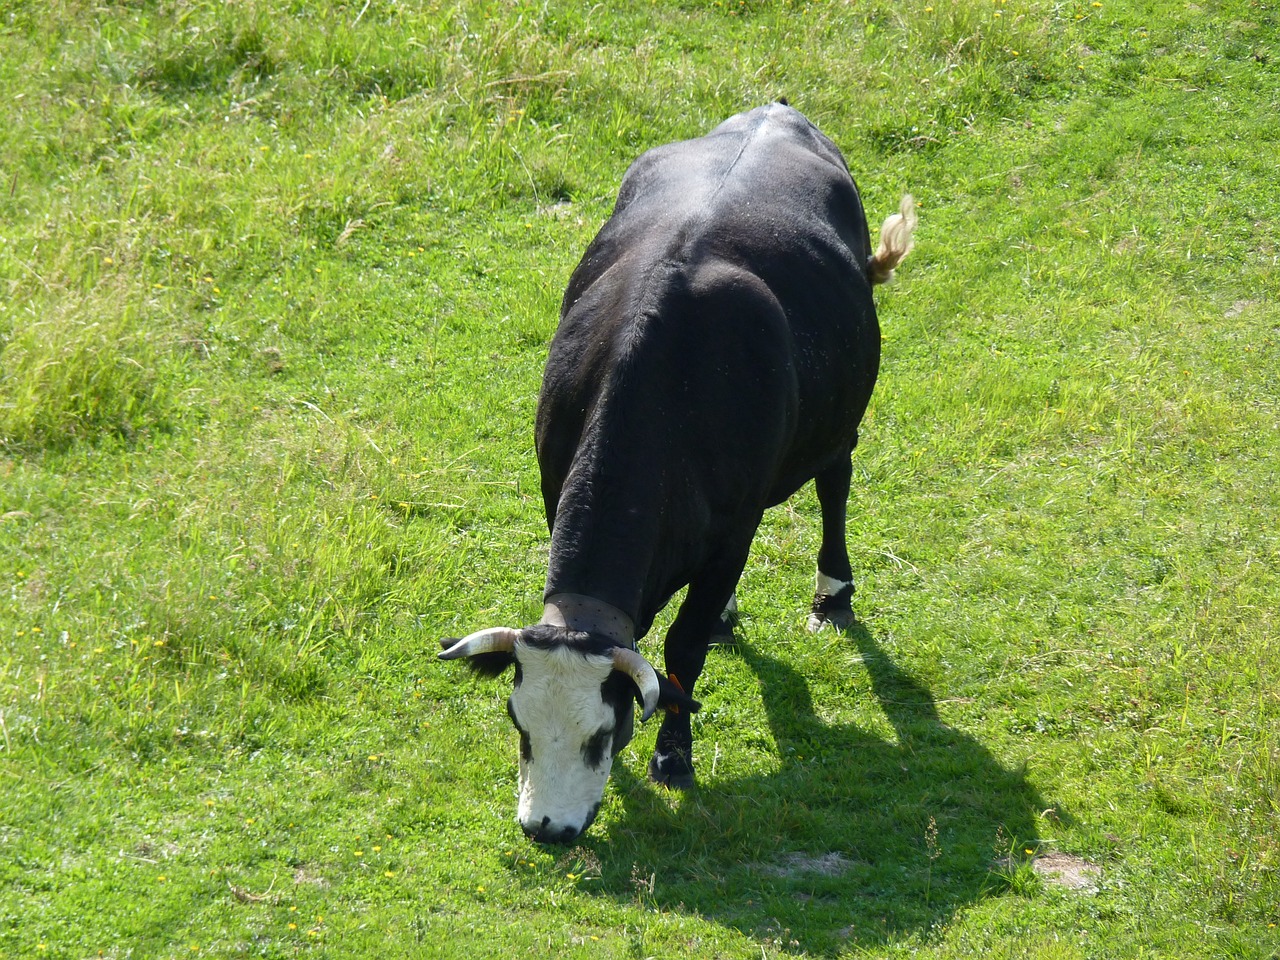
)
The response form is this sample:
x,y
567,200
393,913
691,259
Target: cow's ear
x,y
671,697
488,653
490,665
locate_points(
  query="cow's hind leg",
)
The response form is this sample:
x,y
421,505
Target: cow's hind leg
x,y
833,594
722,632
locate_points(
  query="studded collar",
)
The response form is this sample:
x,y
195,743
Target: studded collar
x,y
579,612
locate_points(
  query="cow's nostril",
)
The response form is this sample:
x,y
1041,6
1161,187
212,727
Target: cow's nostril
x,y
535,831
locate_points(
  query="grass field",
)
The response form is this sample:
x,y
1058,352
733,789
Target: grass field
x,y
276,285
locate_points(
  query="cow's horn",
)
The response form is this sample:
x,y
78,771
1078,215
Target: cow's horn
x,y
493,640
641,671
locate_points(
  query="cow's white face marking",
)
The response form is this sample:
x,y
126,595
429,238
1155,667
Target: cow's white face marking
x,y
567,738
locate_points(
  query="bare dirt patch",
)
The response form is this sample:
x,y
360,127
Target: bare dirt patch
x,y
1239,307
1064,870
307,873
792,864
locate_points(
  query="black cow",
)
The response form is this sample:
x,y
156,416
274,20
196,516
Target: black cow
x,y
717,347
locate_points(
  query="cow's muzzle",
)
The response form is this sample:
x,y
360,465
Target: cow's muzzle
x,y
545,831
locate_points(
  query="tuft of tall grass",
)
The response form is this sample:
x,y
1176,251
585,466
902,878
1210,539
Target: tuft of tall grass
x,y
87,366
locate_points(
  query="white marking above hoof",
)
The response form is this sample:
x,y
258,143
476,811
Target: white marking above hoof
x,y
730,608
825,586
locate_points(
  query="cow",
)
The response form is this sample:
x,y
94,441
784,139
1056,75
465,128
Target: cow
x,y
717,347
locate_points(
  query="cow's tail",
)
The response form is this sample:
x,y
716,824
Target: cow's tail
x,y
895,242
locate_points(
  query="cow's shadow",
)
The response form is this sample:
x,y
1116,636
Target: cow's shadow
x,y
853,837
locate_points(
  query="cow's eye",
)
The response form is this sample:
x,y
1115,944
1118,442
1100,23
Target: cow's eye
x,y
594,749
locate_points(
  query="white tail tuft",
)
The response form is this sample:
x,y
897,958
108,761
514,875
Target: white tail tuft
x,y
895,242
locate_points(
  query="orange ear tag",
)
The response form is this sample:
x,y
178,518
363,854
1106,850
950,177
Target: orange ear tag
x,y
674,707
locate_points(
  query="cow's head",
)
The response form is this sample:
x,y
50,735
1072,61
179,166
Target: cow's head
x,y
572,703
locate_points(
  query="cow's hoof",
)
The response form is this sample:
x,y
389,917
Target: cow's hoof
x,y
840,619
670,771
722,634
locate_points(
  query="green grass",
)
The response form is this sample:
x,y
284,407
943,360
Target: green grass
x,y
276,285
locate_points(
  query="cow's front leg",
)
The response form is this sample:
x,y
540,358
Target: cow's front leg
x,y
672,762
698,621
686,654
833,590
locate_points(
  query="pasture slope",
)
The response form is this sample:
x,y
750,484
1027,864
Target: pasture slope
x,y
276,284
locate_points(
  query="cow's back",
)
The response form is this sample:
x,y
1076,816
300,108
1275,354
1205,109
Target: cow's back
x,y
765,189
